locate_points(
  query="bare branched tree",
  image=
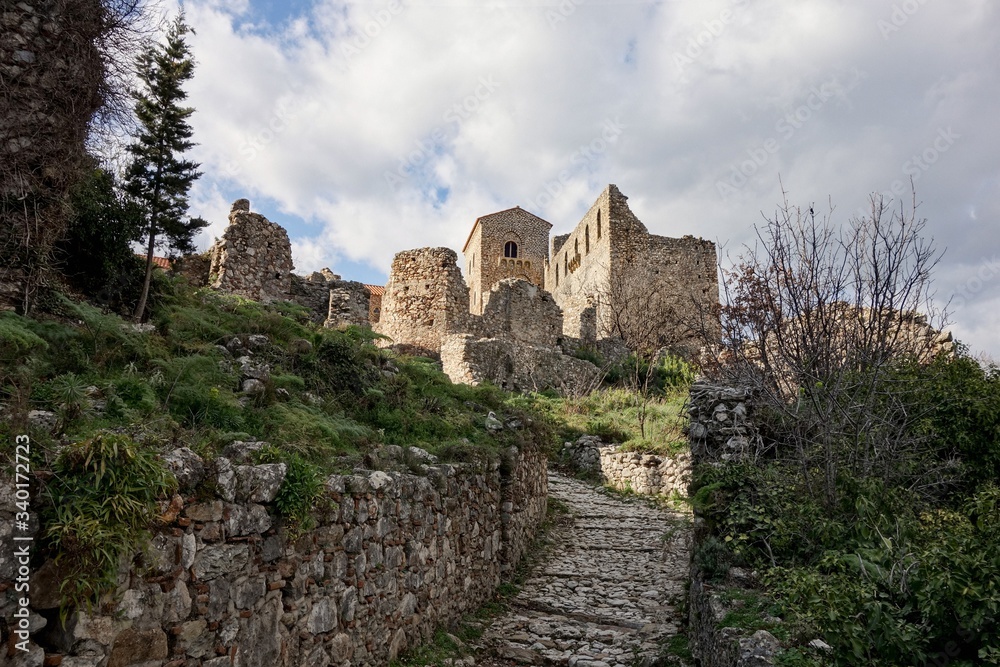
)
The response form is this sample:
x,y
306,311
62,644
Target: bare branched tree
x,y
816,317
635,306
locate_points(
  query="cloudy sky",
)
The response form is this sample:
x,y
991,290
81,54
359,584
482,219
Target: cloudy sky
x,y
366,128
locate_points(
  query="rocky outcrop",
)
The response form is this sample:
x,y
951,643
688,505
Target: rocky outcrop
x,y
396,554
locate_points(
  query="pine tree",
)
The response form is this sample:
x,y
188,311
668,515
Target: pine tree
x,y
158,177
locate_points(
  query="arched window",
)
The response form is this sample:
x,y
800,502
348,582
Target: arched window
x,y
557,274
510,249
586,239
598,225
576,246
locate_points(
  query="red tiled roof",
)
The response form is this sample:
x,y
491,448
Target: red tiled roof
x,y
376,290
161,262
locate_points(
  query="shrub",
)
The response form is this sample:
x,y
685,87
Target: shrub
x,y
98,505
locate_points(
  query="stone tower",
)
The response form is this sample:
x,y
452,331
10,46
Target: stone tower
x,y
506,244
424,301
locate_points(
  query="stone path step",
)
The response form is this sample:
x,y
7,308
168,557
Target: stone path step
x,y
607,595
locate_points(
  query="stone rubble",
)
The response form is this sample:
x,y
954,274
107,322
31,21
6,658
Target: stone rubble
x,y
609,595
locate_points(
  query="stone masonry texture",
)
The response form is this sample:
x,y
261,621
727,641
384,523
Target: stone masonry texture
x,y
253,258
721,428
397,555
425,300
487,251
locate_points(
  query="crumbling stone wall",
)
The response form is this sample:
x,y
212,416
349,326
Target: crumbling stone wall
x,y
52,73
579,267
313,292
486,260
425,300
223,584
253,258
524,312
611,242
721,428
647,474
515,366
349,304
331,301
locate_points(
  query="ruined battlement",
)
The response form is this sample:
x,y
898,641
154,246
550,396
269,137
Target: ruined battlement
x,y
425,299
525,297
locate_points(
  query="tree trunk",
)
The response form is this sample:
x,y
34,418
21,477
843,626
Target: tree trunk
x,y
140,307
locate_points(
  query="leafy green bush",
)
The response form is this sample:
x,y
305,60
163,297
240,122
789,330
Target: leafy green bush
x,y
98,505
300,493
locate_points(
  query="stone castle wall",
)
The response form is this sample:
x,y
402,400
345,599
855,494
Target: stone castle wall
x,y
223,584
253,258
579,267
610,243
523,312
425,300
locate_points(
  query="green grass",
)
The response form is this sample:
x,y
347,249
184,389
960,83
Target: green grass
x,y
332,396
613,414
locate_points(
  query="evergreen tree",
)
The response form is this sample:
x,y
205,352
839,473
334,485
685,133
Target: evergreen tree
x,y
158,178
97,253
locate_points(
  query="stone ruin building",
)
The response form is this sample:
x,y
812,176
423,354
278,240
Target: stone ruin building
x,y
253,259
525,302
527,299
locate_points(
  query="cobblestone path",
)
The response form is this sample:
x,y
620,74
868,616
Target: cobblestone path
x,y
607,594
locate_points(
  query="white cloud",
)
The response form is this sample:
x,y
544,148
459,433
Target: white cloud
x,y
485,106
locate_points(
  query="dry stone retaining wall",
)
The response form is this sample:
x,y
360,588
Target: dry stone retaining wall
x,y
223,584
721,429
647,474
